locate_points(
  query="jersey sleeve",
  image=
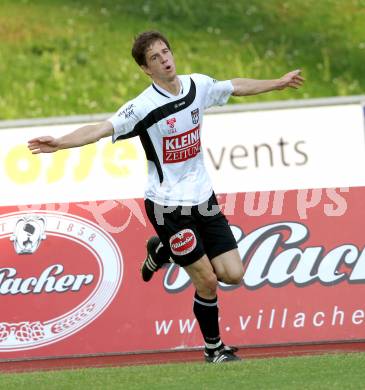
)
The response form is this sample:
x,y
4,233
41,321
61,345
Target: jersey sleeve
x,y
217,93
124,121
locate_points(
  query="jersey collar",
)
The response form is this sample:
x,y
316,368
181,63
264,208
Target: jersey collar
x,y
167,94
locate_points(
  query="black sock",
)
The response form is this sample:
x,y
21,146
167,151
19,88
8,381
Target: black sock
x,y
206,312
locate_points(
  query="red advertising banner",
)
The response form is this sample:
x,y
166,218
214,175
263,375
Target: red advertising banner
x,y
70,282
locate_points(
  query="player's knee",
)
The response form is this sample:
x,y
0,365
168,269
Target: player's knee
x,y
208,285
233,277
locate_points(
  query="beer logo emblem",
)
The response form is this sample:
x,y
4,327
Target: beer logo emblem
x,y
65,282
183,242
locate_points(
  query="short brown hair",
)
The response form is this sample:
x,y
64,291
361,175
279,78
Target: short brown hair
x,y
143,41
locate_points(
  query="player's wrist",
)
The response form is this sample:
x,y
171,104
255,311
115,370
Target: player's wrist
x,y
60,143
279,84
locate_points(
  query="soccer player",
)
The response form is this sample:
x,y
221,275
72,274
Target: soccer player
x,y
179,200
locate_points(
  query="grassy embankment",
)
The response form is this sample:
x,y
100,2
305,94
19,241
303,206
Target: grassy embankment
x,y
73,57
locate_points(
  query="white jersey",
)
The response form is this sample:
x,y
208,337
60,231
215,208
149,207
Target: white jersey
x,y
169,127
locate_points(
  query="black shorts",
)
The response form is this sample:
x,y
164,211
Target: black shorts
x,y
191,231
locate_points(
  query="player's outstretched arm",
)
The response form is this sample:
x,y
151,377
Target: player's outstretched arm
x,y
245,87
82,136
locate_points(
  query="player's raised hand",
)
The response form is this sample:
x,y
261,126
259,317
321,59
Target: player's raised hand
x,y
292,79
45,144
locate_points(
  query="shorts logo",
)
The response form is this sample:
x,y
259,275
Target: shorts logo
x,y
183,242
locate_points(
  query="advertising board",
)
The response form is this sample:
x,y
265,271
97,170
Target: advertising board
x,y
70,282
73,231
298,148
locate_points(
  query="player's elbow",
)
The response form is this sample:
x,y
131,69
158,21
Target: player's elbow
x,y
102,130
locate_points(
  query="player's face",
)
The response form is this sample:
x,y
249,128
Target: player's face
x,y
160,62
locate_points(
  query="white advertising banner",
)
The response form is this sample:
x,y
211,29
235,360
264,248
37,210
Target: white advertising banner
x,y
317,147
282,149
98,171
